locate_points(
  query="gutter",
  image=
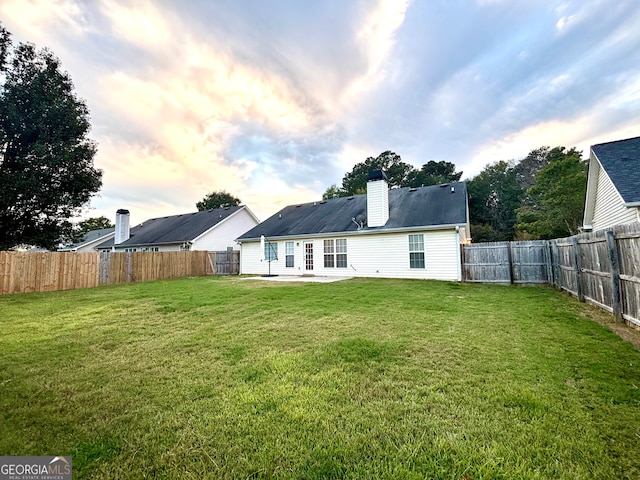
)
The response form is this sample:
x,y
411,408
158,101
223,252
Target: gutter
x,y
368,231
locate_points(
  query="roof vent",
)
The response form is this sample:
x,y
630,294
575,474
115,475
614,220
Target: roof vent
x,y
453,189
413,189
349,198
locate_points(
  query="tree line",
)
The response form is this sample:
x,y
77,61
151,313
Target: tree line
x,y
538,197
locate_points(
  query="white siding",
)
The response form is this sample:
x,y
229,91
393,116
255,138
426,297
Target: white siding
x,y
381,255
609,209
90,246
223,235
377,203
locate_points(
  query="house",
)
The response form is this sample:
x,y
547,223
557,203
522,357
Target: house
x,y
613,185
212,230
394,233
90,240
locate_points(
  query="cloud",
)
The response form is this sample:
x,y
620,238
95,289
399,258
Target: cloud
x,y
39,16
275,101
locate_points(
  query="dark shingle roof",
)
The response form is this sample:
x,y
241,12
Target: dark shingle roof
x,y
90,236
174,229
621,161
408,207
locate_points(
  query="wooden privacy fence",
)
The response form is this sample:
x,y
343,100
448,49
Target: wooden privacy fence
x,y
602,267
48,271
507,262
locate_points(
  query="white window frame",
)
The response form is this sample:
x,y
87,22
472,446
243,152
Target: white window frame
x,y
289,254
329,253
335,253
341,253
270,251
417,257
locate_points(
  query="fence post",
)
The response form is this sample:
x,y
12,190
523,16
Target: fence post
x,y
510,260
550,270
128,266
576,256
615,275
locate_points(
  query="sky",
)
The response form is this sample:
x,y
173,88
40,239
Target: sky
x,y
274,101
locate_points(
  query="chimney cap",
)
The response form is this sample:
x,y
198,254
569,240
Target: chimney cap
x,y
377,175
122,211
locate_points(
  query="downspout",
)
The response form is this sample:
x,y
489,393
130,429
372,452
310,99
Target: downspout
x,y
459,254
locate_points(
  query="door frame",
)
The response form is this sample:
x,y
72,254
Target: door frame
x,y
305,258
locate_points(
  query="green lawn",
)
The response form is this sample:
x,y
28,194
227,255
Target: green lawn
x,y
233,378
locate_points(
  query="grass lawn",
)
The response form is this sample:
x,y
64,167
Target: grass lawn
x,y
233,378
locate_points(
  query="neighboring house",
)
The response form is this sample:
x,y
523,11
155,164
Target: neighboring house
x,y
397,233
90,240
613,185
212,230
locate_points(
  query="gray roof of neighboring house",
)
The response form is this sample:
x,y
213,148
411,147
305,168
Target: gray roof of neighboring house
x,y
408,207
621,161
174,229
89,237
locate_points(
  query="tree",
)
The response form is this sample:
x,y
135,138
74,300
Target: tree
x,y
554,205
435,173
46,160
527,168
333,192
216,200
78,230
94,223
494,197
398,173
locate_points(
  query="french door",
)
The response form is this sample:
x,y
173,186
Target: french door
x,y
308,257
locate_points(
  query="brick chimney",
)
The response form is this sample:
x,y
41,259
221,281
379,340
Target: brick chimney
x,y
377,199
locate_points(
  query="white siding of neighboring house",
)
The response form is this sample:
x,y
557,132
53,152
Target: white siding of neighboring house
x,y
91,246
609,209
372,255
223,234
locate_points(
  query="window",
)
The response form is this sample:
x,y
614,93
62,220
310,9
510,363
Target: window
x,y
416,251
129,250
341,253
270,251
335,253
150,249
329,254
288,254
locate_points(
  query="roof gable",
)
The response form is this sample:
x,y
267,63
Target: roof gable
x,y
408,207
621,161
89,237
175,228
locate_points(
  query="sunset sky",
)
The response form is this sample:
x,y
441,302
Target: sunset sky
x,y
273,100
